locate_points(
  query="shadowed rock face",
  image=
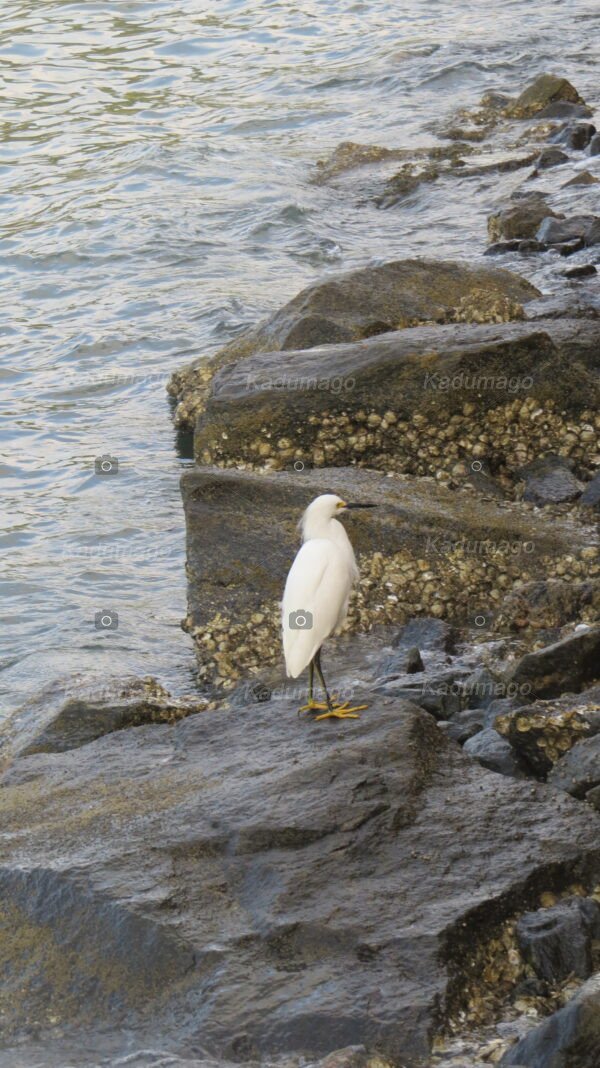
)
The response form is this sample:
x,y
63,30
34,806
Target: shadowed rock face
x,y
358,304
566,666
344,868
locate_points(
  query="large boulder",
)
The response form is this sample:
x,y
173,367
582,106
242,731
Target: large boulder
x,y
568,1039
546,89
251,883
425,550
429,400
361,303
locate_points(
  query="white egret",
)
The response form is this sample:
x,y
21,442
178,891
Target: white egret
x,y
315,599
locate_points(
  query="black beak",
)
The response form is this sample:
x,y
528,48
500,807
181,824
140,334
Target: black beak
x,y
361,506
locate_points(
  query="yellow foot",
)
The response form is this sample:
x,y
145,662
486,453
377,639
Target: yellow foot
x,y
313,706
342,712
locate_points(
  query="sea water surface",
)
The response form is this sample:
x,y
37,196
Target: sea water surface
x,y
155,200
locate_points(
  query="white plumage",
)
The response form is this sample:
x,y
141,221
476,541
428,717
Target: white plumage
x,y
318,585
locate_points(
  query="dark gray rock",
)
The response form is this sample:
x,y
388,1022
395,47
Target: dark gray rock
x,y
591,494
568,1039
578,771
550,157
557,941
567,666
547,89
594,146
494,752
427,633
233,882
500,707
499,247
562,109
566,305
576,136
584,270
414,663
583,228
438,694
550,480
481,688
530,245
569,248
464,724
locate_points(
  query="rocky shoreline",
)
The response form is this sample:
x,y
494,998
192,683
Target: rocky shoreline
x,y
223,881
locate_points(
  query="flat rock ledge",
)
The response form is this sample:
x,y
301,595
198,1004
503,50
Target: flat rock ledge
x,y
359,874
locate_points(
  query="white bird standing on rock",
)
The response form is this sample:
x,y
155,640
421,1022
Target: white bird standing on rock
x,y
315,599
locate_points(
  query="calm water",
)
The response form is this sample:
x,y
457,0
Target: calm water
x,y
154,159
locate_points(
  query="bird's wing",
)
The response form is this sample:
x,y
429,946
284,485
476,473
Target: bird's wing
x,y
317,586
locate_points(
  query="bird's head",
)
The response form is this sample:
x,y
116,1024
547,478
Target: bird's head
x,y
324,508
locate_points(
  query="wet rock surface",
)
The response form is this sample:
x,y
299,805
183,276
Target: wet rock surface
x,y
73,712
568,1039
279,861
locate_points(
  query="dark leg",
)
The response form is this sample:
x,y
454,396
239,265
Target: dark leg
x,y
317,663
312,705
335,710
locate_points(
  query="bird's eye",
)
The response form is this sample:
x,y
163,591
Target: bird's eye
x,y
341,504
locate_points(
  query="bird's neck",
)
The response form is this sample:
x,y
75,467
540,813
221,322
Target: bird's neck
x,y
325,528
